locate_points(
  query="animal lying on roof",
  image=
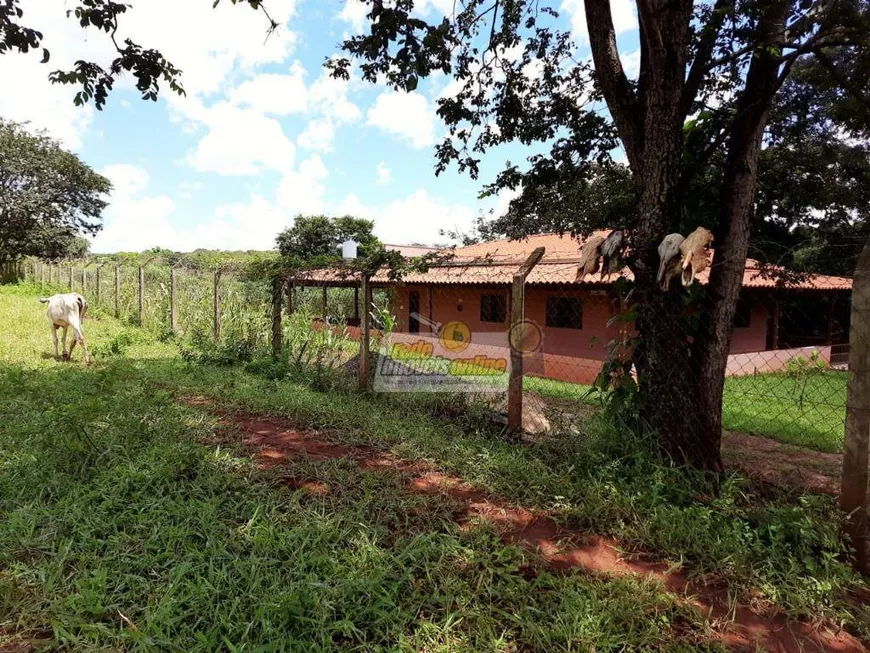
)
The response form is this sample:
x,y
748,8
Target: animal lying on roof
x,y
67,311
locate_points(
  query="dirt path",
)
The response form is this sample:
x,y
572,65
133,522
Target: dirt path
x,y
781,464
276,442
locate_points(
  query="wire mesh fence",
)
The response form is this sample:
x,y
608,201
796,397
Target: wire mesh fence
x,y
467,324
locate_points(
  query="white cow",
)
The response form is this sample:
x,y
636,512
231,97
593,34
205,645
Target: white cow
x,y
67,310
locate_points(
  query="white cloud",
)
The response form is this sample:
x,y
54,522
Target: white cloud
x,y
127,180
28,95
416,218
503,200
241,142
207,43
622,11
384,174
631,63
186,189
329,97
443,7
302,190
318,136
408,115
354,13
273,93
136,221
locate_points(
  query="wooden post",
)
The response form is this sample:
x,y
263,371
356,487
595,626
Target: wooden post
x,y
141,295
356,304
365,376
854,490
291,290
277,333
117,291
97,281
515,335
217,305
85,280
323,304
173,301
70,277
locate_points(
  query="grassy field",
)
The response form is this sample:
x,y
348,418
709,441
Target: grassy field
x,y
809,411
117,507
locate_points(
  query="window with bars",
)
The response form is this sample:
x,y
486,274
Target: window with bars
x,y
493,308
564,313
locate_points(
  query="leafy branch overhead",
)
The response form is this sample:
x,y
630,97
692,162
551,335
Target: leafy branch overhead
x,y
148,66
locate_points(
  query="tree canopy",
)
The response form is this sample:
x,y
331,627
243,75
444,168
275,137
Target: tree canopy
x,y
319,237
48,196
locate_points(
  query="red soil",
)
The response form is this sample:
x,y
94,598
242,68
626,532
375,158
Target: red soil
x,y
275,441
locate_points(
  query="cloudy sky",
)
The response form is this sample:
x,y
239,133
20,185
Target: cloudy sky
x,y
263,134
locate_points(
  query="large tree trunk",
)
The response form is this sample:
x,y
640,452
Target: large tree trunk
x,y
682,374
731,235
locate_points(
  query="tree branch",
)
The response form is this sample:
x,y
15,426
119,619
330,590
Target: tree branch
x,y
842,80
617,91
704,52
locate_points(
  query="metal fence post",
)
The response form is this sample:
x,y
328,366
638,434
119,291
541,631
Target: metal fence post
x,y
217,304
277,334
365,377
515,335
853,492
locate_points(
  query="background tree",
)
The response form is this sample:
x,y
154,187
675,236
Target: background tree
x,y
320,236
48,196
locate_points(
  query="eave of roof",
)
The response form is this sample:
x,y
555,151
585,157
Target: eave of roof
x,y
495,262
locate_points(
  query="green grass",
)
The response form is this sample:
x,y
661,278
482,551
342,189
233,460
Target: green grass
x,y
115,498
553,389
810,412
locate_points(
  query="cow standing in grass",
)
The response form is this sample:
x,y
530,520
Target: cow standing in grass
x,y
65,311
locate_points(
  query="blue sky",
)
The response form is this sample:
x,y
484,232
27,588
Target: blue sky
x,y
263,134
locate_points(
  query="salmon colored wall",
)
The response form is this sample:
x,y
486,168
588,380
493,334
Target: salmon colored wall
x,y
572,355
754,337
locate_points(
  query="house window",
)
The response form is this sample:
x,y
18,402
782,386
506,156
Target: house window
x,y
493,308
743,314
564,313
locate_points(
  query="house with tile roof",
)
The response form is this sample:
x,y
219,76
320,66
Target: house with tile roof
x,y
574,320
